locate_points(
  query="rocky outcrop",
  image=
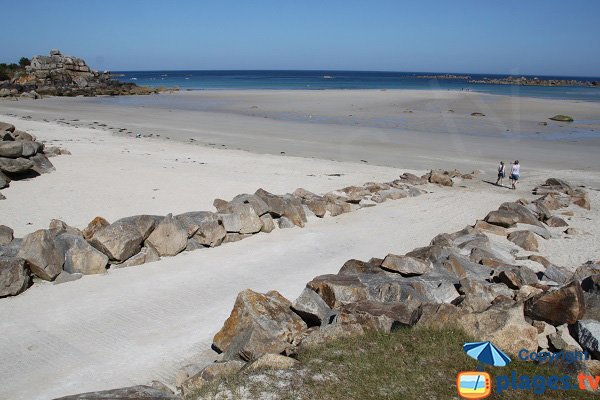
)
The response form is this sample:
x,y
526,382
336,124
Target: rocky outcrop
x,y
60,75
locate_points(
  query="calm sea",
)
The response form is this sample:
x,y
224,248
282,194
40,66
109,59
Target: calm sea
x,y
321,80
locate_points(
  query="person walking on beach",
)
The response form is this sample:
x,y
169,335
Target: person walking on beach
x,y
501,173
515,173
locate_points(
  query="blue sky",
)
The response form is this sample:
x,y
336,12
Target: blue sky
x,y
487,36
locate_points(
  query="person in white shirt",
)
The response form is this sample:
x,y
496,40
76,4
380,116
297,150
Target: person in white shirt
x,y
515,173
501,173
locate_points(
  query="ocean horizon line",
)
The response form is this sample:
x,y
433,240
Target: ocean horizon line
x,y
438,73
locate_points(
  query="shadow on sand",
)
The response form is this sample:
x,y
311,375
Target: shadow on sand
x,y
494,184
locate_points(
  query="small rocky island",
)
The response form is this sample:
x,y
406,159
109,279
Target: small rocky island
x,y
61,75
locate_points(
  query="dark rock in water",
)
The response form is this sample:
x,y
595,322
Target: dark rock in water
x,y
43,257
477,114
562,118
557,307
14,276
128,393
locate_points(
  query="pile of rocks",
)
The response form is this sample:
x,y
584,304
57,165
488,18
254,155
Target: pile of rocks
x,y
62,253
472,279
61,75
22,156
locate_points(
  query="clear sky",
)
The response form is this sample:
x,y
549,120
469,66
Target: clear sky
x,y
488,36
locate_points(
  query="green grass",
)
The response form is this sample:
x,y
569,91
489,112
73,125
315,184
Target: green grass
x,y
407,364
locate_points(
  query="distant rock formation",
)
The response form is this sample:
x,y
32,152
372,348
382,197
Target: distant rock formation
x,y
62,75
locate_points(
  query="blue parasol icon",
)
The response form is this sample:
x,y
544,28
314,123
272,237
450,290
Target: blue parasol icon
x,y
486,353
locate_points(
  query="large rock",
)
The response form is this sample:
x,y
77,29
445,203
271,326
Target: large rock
x,y
32,148
268,225
259,323
355,267
337,290
209,374
11,249
383,317
5,126
207,229
65,277
565,305
140,392
14,276
312,309
241,218
524,239
94,226
15,165
41,164
4,180
6,235
257,204
556,222
486,226
315,203
11,149
80,256
43,257
505,326
146,255
144,224
118,241
406,265
284,206
504,218
440,178
524,214
169,238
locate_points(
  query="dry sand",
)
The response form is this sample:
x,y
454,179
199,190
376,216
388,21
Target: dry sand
x,y
142,323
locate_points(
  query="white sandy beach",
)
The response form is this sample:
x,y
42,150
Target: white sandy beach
x,y
137,324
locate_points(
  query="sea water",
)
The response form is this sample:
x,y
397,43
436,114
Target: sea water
x,y
321,80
